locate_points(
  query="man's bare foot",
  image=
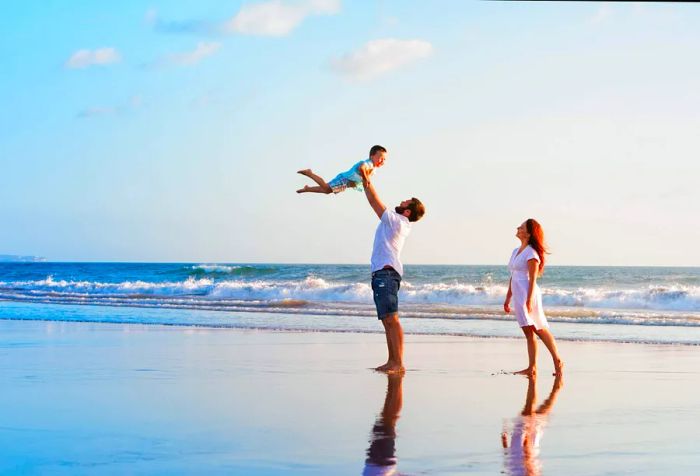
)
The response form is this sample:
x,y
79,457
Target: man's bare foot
x,y
304,172
302,190
558,368
530,371
382,368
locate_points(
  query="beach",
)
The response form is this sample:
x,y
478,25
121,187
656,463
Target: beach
x,y
88,398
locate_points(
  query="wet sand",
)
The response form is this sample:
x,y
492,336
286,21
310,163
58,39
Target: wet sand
x,y
81,398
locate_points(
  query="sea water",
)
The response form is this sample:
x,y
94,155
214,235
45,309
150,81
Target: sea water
x,y
630,304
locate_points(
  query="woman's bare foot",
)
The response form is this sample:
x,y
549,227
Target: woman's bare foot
x,y
306,172
530,371
395,369
391,368
305,189
558,368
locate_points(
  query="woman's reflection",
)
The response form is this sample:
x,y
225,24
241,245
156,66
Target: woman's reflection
x,y
522,455
381,454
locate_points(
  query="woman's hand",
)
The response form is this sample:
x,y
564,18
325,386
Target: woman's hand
x,y
528,304
506,306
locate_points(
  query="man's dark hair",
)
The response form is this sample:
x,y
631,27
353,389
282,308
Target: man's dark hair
x,y
417,209
375,149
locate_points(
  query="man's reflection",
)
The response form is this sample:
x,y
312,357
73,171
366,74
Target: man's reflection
x,y
381,454
522,455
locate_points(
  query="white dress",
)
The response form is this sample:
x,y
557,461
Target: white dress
x,y
520,284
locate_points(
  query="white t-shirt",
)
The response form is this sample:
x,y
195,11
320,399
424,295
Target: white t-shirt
x,y
388,241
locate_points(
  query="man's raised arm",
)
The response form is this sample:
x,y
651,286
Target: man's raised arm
x,y
371,194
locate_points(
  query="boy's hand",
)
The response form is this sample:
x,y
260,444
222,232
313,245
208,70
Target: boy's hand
x,y
506,306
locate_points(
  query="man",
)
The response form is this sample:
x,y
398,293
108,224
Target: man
x,y
387,269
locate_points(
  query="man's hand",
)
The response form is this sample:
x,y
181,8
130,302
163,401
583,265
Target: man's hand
x,y
371,195
364,175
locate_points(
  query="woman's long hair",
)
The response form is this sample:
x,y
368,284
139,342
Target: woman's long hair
x,y
537,241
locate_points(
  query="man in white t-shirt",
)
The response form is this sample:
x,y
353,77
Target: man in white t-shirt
x,y
387,269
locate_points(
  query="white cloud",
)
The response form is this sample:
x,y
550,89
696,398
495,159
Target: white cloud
x,y
277,18
133,104
151,16
96,112
602,14
189,58
381,56
100,56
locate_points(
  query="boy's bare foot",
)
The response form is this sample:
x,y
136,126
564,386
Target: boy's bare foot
x,y
302,190
530,371
304,172
558,368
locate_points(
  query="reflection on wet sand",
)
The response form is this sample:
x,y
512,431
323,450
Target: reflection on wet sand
x,y
381,454
522,454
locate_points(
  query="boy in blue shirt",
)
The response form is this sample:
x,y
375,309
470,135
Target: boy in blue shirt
x,y
349,179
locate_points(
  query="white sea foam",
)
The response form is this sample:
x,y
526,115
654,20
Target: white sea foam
x,y
324,292
215,268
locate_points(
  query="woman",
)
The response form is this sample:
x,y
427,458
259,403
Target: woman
x,y
526,264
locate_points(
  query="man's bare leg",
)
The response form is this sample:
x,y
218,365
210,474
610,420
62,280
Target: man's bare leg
x,y
389,359
323,187
531,369
394,338
548,340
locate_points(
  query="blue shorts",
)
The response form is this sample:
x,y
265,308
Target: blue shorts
x,y
385,287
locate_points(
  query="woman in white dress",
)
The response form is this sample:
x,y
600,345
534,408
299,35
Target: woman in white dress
x,y
526,264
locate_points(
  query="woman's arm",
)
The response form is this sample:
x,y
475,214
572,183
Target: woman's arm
x,y
509,294
532,269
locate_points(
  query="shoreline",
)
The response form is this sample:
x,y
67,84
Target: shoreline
x,y
379,331
299,322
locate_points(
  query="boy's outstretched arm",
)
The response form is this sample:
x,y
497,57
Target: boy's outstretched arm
x,y
371,194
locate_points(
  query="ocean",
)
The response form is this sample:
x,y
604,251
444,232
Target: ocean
x,y
625,304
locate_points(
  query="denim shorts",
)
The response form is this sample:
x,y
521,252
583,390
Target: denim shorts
x,y
385,287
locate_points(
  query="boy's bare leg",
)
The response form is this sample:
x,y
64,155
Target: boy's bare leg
x,y
323,187
308,189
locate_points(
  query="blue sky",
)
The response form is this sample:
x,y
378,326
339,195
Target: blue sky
x,y
171,131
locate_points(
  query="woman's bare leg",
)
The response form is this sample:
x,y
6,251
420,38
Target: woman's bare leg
x,y
550,343
531,369
323,187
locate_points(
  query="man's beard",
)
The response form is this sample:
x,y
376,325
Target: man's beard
x,y
400,209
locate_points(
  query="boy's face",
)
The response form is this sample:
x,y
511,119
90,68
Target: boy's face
x,y
378,158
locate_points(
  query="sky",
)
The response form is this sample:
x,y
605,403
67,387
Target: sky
x,y
172,131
